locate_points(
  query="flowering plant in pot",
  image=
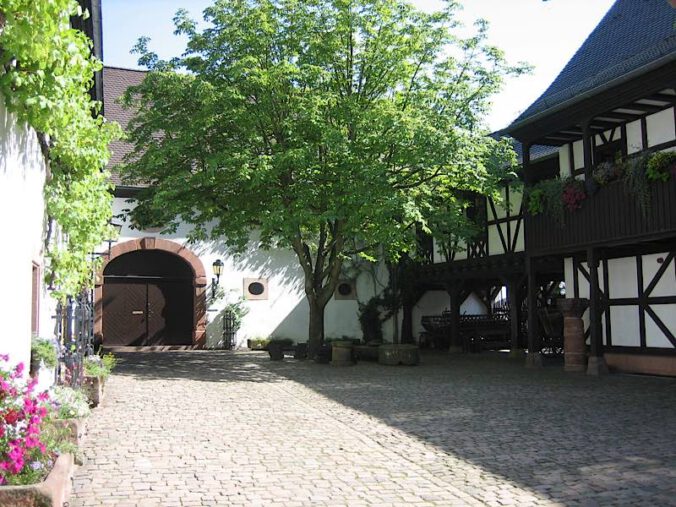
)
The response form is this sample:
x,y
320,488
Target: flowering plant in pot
x,y
97,369
573,194
30,450
71,407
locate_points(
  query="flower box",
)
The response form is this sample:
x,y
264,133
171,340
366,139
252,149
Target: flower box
x,y
53,491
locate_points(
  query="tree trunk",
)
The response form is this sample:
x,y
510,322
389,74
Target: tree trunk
x,y
316,333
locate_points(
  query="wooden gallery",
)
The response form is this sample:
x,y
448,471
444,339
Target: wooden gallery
x,y
587,238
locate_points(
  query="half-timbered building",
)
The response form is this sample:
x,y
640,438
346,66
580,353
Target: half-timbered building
x,y
611,238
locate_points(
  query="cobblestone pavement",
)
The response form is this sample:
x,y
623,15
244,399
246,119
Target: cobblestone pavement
x,y
223,428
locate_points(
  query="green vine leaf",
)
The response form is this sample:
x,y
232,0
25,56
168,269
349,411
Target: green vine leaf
x,y
48,72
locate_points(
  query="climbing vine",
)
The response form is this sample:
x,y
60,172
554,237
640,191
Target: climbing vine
x,y
46,71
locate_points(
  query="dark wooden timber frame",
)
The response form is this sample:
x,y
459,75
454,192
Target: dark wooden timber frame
x,y
643,301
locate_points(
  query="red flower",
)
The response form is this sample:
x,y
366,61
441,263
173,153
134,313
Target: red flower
x,y
11,417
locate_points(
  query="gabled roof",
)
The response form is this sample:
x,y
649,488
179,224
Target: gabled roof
x,y
537,151
632,36
115,83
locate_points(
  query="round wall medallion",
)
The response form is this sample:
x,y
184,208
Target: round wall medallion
x,y
256,288
345,289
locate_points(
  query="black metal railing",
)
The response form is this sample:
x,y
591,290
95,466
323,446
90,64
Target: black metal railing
x,y
229,329
74,331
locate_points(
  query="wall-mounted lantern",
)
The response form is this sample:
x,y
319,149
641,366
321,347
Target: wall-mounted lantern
x,y
217,268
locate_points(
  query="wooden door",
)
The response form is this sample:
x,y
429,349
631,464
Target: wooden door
x,y
147,312
124,312
170,312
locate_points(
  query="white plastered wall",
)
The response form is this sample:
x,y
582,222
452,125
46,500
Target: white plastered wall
x,y
22,179
285,314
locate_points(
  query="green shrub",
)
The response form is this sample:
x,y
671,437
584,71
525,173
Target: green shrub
x,y
43,351
660,166
97,366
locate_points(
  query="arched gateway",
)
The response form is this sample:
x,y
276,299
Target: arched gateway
x,y
151,292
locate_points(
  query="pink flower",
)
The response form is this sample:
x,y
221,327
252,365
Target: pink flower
x,y
18,371
29,405
32,442
4,357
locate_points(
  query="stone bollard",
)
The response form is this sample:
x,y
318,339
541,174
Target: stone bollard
x,y
575,353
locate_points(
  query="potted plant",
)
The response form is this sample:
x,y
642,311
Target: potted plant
x,y
97,369
71,408
277,346
35,462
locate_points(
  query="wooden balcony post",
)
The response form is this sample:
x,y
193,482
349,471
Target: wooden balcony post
x,y
407,321
526,162
534,357
513,293
588,152
596,364
456,342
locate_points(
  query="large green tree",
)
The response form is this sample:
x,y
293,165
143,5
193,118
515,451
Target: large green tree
x,y
332,127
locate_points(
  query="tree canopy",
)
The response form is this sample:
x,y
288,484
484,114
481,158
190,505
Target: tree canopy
x,y
332,127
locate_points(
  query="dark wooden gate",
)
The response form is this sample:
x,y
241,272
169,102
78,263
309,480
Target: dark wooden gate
x,y
147,300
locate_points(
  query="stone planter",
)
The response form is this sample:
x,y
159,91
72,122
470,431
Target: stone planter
x,y
53,491
74,429
574,348
276,351
393,355
323,354
93,388
366,352
341,353
301,351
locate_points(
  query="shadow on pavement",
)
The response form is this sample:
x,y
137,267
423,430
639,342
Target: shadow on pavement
x,y
567,438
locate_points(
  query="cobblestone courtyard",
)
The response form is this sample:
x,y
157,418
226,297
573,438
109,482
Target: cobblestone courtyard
x,y
220,428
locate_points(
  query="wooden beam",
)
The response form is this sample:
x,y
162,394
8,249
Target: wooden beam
x,y
647,108
534,358
587,151
455,301
621,116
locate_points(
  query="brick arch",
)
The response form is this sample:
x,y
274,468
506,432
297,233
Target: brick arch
x,y
199,282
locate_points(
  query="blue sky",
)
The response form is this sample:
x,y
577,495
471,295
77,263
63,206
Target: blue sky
x,y
544,34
